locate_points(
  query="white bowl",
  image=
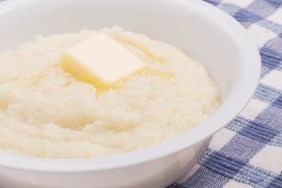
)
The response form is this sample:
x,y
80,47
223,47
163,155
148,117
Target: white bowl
x,y
200,30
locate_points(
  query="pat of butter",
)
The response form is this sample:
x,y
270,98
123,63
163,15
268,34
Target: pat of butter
x,y
100,60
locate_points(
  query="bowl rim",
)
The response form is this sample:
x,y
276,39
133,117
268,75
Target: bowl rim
x,y
250,71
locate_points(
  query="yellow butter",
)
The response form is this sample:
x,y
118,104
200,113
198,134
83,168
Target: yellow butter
x,y
101,61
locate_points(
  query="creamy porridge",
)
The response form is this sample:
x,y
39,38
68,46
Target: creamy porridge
x,y
46,112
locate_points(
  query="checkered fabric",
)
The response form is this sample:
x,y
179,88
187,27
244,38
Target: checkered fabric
x,y
248,151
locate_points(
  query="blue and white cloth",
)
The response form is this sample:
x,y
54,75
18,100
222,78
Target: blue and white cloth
x,y
248,152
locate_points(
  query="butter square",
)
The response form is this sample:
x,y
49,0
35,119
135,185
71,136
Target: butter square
x,y
100,60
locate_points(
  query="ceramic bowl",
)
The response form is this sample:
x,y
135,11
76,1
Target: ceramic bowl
x,y
203,32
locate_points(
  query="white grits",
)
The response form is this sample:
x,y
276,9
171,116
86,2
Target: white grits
x,y
46,112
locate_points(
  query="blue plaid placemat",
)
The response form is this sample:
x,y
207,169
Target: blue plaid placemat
x,y
248,152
